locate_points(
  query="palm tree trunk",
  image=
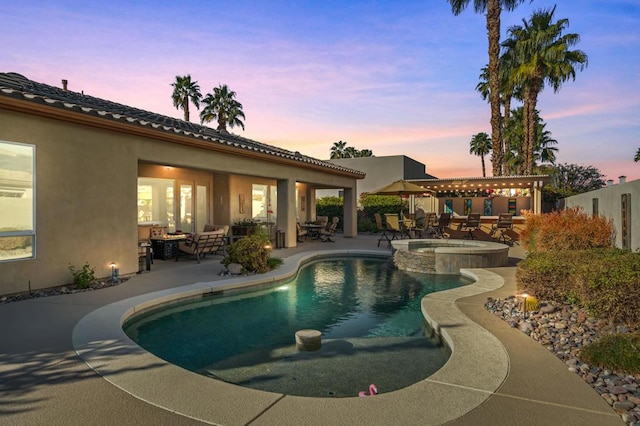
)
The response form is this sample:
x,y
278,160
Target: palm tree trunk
x,y
506,145
493,30
185,107
484,172
531,133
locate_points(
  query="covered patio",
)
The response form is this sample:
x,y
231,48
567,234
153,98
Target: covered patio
x,y
102,168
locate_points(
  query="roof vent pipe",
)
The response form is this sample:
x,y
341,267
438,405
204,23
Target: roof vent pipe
x,y
64,85
623,179
609,182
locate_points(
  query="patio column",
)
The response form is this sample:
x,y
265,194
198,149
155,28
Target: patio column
x,y
536,197
287,211
350,213
312,204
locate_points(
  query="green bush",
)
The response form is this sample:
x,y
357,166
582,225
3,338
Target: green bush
x,y
251,252
331,207
605,281
84,277
618,352
369,204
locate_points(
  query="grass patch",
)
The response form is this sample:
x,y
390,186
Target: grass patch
x,y
619,352
274,262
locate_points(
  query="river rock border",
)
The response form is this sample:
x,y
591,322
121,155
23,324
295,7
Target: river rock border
x,y
565,330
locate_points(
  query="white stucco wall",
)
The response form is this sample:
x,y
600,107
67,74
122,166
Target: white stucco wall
x,y
610,205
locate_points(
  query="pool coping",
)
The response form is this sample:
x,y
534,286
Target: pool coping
x,y
477,367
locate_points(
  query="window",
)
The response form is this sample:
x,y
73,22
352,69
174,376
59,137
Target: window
x,y
155,202
17,195
264,202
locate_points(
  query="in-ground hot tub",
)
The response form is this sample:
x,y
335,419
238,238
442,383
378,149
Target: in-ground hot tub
x,y
448,256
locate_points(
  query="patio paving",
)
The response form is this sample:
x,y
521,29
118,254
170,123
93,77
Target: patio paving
x,y
44,382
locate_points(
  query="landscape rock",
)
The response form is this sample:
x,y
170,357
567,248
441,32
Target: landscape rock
x,y
565,330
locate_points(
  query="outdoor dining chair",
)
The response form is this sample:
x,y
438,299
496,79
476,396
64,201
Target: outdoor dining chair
x,y
443,223
502,230
380,227
471,224
393,225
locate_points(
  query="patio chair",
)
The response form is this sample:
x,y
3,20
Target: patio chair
x,y
329,231
393,225
471,224
199,245
443,223
502,230
382,228
424,224
322,221
300,232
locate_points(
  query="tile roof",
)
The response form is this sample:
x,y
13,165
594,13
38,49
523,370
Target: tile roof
x,y
17,86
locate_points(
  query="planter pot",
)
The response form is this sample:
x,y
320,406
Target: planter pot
x,y
235,268
243,230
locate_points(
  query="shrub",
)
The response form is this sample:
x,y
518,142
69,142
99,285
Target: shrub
x,y
619,352
605,281
84,277
546,275
251,252
570,229
330,207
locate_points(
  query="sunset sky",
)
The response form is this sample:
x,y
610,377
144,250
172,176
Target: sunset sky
x,y
394,77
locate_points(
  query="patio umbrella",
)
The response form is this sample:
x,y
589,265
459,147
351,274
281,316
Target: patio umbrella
x,y
401,187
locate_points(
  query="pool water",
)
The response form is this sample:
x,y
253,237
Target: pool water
x,y
367,310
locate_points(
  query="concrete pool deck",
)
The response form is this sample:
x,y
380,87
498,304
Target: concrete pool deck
x,y
43,380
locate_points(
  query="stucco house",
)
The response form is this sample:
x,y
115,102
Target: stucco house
x,y
78,174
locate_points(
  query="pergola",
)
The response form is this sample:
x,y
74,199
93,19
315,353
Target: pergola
x,y
516,186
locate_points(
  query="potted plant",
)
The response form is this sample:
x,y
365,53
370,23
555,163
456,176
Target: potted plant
x,y
245,227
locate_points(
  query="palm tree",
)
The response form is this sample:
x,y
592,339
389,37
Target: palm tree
x,y
366,153
351,152
492,8
637,157
185,91
338,150
222,107
541,55
543,150
480,145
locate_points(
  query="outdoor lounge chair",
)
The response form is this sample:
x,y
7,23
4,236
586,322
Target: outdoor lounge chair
x,y
329,231
200,245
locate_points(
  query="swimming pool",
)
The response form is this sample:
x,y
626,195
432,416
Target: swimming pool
x,y
368,312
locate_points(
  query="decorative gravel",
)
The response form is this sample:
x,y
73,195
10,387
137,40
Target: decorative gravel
x,y
565,330
58,291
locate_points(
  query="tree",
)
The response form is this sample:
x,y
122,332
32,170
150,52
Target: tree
x,y
541,54
337,150
341,150
492,8
572,179
637,157
543,151
222,107
514,154
480,145
185,91
351,152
